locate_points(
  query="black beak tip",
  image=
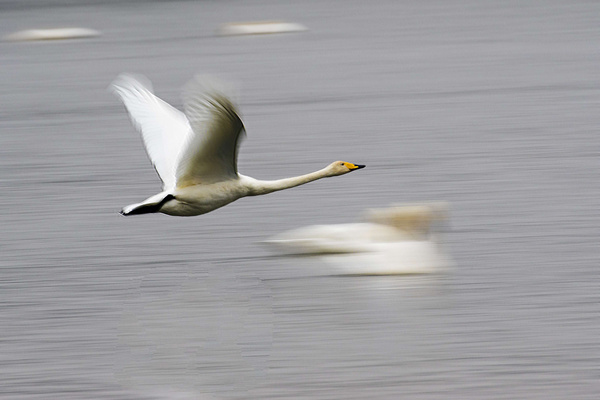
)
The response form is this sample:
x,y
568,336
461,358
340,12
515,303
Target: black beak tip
x,y
358,166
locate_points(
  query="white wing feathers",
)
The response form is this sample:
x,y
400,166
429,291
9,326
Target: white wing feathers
x,y
210,154
184,152
164,129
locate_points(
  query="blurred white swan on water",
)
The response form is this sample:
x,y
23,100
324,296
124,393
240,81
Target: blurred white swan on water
x,y
259,28
51,34
195,154
400,239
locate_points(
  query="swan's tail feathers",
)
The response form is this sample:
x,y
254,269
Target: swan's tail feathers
x,y
150,205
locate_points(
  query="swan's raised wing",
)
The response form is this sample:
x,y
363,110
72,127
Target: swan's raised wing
x,y
164,129
210,152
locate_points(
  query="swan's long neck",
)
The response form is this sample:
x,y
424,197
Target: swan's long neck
x,y
258,187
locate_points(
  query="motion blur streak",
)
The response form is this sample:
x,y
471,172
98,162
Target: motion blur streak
x,y
489,106
397,240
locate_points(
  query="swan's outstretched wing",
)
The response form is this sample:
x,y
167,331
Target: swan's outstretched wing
x,y
210,152
164,129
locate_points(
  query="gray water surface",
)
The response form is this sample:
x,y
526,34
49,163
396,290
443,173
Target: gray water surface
x,y
490,106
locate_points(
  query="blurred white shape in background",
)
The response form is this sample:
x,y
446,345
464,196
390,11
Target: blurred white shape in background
x,y
51,34
401,239
259,28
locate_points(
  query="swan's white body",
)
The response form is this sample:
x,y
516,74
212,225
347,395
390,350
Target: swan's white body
x,y
396,240
195,154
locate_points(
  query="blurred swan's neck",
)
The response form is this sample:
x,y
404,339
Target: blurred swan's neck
x,y
257,187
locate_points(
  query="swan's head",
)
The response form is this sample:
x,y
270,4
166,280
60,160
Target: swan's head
x,y
343,167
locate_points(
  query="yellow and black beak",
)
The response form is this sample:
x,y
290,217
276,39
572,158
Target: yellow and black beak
x,y
355,166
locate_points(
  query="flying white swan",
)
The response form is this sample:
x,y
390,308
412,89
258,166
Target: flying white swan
x,y
195,154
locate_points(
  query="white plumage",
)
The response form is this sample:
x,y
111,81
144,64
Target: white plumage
x,y
195,154
397,240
